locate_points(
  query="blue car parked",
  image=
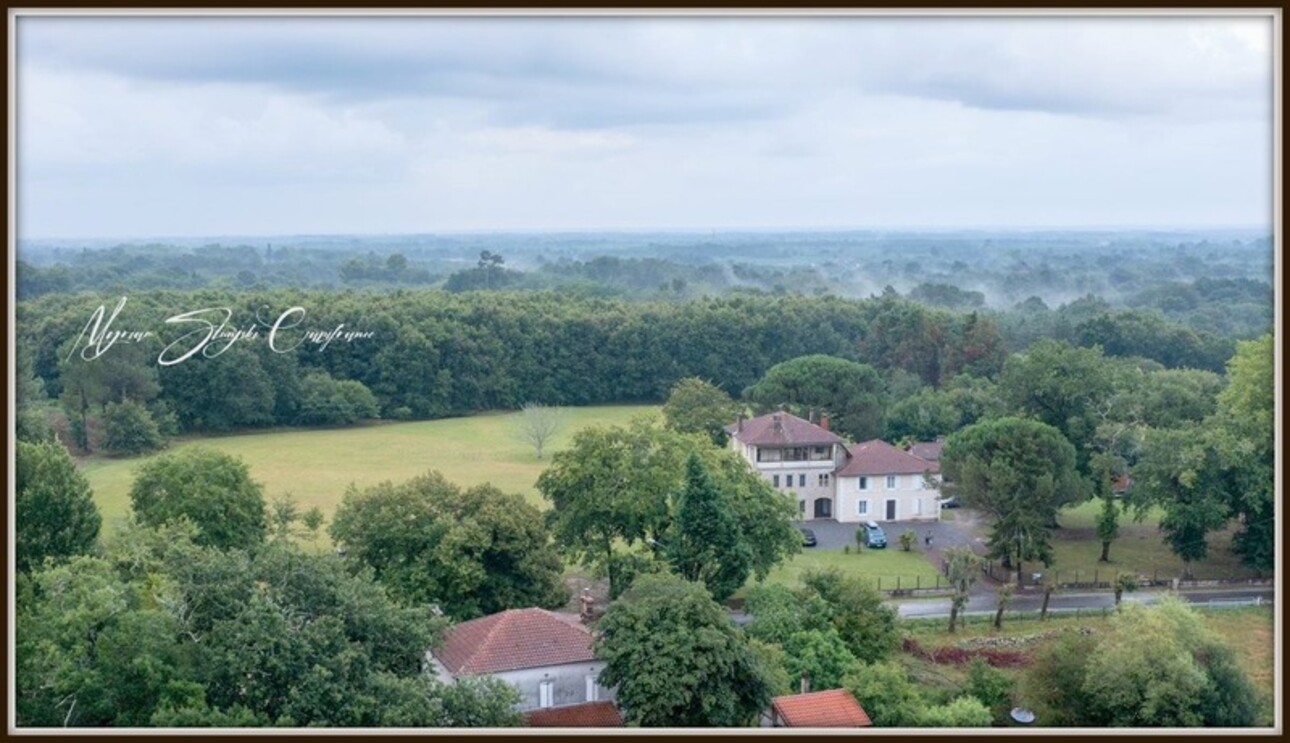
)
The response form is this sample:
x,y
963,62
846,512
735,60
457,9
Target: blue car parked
x,y
877,538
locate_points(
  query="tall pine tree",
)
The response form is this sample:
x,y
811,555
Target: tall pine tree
x,y
705,544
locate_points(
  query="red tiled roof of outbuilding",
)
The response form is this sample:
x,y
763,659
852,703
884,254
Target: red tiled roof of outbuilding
x,y
589,715
835,708
515,639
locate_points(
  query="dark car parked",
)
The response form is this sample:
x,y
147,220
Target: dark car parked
x,y
808,538
876,537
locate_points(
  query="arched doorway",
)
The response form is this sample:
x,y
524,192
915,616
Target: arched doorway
x,y
823,508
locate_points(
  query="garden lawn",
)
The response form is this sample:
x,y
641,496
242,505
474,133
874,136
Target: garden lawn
x,y
879,566
1141,550
316,466
1084,516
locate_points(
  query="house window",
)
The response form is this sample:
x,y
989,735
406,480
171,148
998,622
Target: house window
x,y
801,480
862,508
864,483
801,507
774,480
546,694
824,480
591,688
891,482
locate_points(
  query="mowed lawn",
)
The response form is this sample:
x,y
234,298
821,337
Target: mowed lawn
x,y
1140,548
885,568
316,466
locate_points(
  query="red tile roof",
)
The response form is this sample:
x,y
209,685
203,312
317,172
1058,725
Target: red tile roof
x,y
782,429
589,715
880,458
929,450
515,639
821,709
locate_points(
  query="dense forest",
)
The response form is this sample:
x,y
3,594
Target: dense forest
x,y
432,354
1213,282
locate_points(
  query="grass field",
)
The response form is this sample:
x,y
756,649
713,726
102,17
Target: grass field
x,y
886,566
1084,516
1249,631
1140,548
1144,552
315,466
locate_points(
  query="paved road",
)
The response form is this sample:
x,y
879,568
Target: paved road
x,y
980,605
1064,602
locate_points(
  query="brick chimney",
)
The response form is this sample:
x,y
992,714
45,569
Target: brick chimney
x,y
586,606
778,423
739,424
824,422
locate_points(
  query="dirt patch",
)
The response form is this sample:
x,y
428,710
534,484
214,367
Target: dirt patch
x,y
958,656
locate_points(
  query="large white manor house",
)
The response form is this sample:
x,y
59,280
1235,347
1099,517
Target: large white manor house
x,y
871,481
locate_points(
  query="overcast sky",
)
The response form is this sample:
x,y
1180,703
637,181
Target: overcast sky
x,y
261,126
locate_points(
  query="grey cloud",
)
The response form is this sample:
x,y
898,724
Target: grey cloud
x,y
582,72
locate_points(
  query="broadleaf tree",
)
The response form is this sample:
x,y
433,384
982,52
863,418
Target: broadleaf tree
x,y
212,489
678,660
1020,472
53,506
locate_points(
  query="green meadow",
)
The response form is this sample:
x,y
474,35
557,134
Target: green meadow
x,y
316,466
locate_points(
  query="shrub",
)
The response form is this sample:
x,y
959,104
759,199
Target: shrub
x,y
128,429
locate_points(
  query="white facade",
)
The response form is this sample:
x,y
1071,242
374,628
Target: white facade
x,y
548,686
805,472
880,498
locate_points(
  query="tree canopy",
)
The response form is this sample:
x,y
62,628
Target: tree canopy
x,y
1062,386
1019,471
472,552
53,506
696,406
704,542
616,487
850,392
212,489
1156,666
678,660
163,631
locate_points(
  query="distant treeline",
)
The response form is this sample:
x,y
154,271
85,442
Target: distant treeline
x,y
432,354
1026,281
